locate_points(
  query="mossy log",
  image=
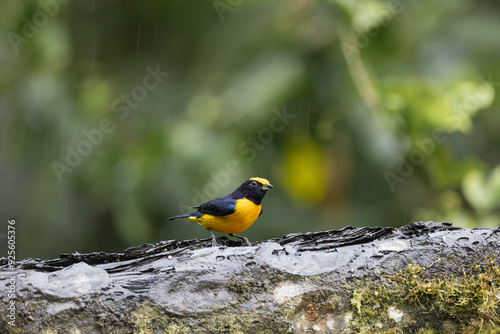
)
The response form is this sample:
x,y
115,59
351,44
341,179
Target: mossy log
x,y
424,277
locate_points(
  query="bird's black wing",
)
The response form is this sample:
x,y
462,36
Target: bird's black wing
x,y
221,206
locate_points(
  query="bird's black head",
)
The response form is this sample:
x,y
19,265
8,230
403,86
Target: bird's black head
x,y
254,189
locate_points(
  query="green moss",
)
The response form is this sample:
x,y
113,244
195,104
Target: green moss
x,y
316,305
148,319
247,287
248,322
470,299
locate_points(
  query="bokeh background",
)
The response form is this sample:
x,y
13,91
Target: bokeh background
x,y
115,115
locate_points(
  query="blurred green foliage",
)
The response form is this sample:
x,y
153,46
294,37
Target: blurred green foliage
x,y
362,112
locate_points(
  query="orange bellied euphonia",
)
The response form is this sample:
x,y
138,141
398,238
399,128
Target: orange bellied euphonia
x,y
232,213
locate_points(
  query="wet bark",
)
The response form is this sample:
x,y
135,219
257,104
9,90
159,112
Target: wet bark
x,y
424,276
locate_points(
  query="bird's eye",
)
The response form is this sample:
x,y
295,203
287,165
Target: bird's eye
x,y
254,183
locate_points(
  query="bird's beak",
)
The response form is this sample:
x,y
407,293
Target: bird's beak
x,y
267,186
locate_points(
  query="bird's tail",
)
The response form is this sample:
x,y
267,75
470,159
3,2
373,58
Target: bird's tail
x,y
194,214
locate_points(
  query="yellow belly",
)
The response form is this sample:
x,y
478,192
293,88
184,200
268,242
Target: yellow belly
x,y
246,212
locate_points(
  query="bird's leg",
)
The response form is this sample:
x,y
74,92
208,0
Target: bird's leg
x,y
242,238
214,239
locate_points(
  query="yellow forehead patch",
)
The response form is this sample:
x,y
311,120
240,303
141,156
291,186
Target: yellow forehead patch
x,y
259,179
